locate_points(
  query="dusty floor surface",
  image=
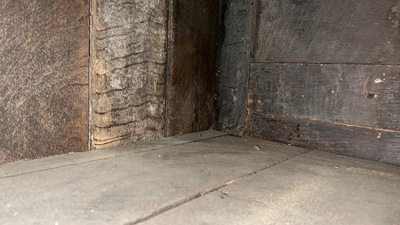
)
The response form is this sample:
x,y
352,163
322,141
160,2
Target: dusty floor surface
x,y
202,178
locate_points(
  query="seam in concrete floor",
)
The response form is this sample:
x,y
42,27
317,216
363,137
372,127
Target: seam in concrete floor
x,y
109,157
206,192
322,185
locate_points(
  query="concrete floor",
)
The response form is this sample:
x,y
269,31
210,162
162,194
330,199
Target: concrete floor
x,y
202,178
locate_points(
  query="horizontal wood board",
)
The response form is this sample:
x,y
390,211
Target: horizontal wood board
x,y
373,144
361,32
364,95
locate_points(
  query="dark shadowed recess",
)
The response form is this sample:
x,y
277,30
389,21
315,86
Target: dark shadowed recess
x,y
192,50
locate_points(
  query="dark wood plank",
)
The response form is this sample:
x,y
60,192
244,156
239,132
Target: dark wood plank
x,y
43,78
367,143
128,71
348,31
345,97
192,65
362,95
234,65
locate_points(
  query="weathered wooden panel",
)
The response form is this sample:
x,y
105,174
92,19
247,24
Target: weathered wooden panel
x,y
234,65
43,78
128,68
349,86
328,31
192,65
363,142
363,95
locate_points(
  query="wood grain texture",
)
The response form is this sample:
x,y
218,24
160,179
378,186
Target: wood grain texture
x,y
192,60
362,142
326,75
43,78
364,95
348,31
128,67
234,65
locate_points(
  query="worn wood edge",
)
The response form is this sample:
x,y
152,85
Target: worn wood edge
x,y
255,62
31,166
361,142
91,65
230,106
169,63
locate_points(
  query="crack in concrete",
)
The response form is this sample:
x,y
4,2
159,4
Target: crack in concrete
x,y
112,157
208,191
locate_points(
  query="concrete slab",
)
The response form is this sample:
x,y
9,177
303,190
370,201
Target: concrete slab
x,y
24,167
313,188
132,184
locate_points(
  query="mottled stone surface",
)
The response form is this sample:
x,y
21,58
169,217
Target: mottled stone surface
x,y
43,78
128,66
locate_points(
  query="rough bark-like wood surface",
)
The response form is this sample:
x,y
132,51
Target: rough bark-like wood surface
x,y
128,67
43,78
234,65
192,65
328,31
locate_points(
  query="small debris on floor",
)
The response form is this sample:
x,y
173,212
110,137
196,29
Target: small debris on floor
x,y
223,195
257,147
